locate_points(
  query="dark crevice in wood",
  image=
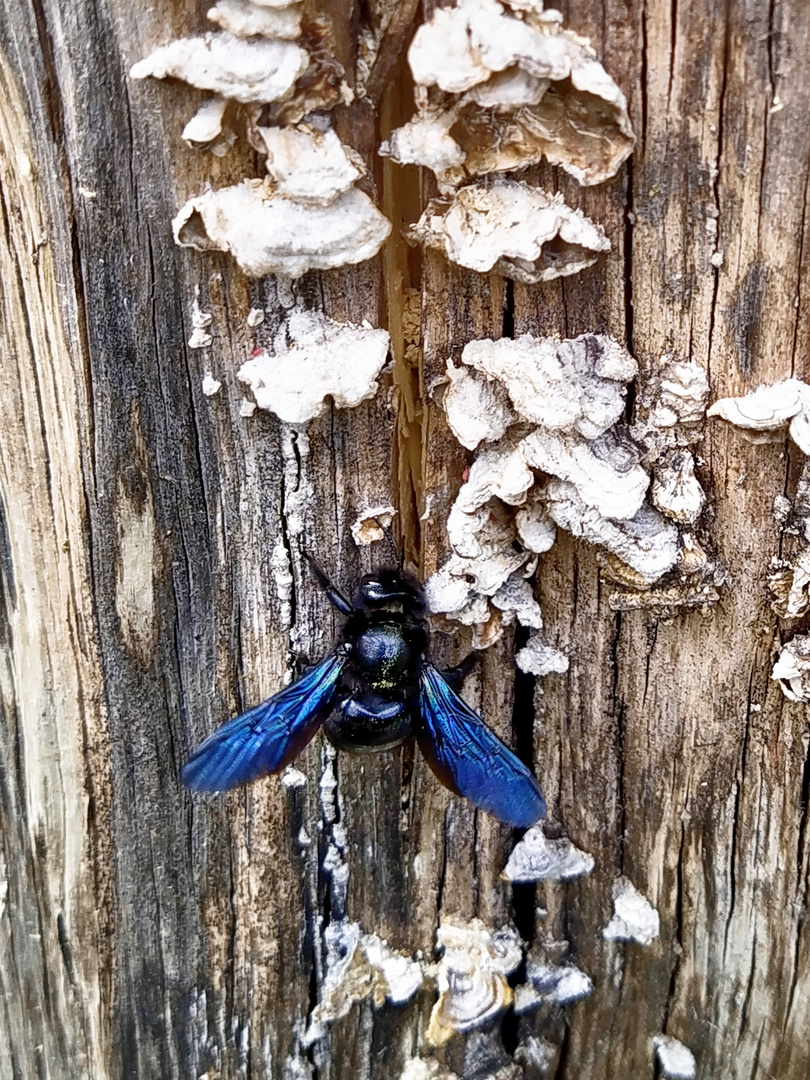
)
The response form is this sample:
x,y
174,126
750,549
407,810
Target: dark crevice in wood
x,y
801,884
652,637
716,186
629,219
443,871
643,74
736,824
393,47
285,531
800,279
673,45
562,1059
618,705
749,989
8,589
508,325
677,933
64,947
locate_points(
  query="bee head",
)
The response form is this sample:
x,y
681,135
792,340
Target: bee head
x,y
389,590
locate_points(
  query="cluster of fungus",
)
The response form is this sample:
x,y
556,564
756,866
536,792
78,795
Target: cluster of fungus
x,y
769,413
501,85
272,75
545,419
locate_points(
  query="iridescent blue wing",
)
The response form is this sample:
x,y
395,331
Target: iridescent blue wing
x,y
470,759
266,738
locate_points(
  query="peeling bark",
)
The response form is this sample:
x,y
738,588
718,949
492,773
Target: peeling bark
x,y
152,583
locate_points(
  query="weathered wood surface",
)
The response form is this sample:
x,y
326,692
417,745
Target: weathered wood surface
x,y
145,530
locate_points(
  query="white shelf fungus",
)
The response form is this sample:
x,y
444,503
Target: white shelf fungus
x,y
539,659
764,408
250,19
676,491
647,543
308,165
576,384
783,405
681,394
676,1060
789,586
518,231
306,214
477,409
558,984
210,385
516,599
200,321
248,70
546,418
359,965
537,857
634,917
472,976
268,234
536,531
604,472
500,85
314,358
425,1069
793,668
204,131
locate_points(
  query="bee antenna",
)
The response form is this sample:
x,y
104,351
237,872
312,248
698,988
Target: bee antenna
x,y
333,594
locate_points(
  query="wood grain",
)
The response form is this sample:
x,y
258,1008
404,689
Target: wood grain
x,y
146,529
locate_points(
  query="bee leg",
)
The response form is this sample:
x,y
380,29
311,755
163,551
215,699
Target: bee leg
x,y
334,595
455,676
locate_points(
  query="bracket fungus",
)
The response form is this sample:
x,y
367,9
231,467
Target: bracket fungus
x,y
251,18
309,165
268,234
248,70
266,56
545,418
634,918
789,586
792,669
472,976
518,231
274,69
294,379
358,966
501,85
676,1060
767,412
551,983
537,857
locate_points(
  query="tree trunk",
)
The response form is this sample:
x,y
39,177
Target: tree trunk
x,y
146,531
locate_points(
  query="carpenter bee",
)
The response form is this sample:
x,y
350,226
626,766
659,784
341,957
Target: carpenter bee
x,y
376,690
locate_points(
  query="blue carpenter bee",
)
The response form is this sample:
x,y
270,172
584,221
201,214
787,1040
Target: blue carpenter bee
x,y
374,691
